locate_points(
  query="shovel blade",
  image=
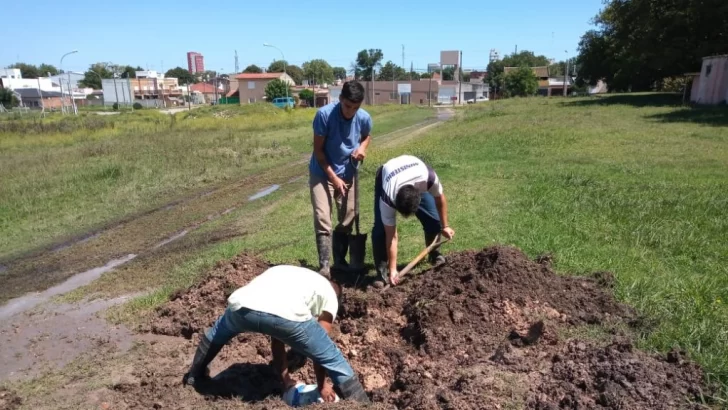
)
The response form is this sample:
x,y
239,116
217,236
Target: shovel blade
x,y
357,251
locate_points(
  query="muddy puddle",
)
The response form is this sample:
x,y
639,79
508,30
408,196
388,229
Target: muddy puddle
x,y
490,329
29,301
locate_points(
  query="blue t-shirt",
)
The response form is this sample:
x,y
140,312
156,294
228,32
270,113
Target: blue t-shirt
x,y
342,138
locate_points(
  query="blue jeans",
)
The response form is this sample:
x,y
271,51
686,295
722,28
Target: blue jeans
x,y
426,213
307,338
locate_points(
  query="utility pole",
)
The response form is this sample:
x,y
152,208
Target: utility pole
x,y
460,77
237,66
189,98
116,92
429,93
403,56
566,73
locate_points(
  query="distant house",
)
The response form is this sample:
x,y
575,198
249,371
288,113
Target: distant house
x,y
547,85
710,85
251,86
208,91
33,98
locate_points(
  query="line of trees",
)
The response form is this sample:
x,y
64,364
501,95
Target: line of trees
x,y
638,44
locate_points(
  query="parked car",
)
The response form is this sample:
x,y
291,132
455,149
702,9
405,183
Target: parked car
x,y
477,99
281,102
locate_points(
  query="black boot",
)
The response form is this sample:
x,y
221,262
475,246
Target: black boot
x,y
379,252
323,244
435,257
353,390
206,351
340,247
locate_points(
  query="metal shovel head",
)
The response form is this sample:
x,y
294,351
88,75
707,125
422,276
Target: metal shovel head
x,y
357,251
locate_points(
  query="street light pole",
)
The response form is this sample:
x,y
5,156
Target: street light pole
x,y
60,79
284,70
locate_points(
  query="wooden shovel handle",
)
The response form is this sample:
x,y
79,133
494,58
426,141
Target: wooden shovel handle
x,y
419,257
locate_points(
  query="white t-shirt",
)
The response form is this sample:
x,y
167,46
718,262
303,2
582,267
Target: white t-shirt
x,y
401,171
290,292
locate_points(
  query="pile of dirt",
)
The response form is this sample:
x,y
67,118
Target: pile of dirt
x,y
191,311
488,329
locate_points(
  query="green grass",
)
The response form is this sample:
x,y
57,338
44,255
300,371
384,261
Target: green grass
x,y
64,175
630,184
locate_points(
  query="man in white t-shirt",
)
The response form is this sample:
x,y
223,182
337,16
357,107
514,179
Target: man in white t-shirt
x,y
295,306
406,185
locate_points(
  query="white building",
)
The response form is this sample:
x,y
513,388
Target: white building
x,y
149,74
12,73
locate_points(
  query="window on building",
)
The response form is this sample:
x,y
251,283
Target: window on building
x,y
708,69
251,100
251,85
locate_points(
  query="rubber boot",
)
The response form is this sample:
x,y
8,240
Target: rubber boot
x,y
353,390
340,247
379,253
206,352
323,245
435,257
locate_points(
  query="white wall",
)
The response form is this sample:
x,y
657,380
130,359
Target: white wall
x,y
13,73
45,83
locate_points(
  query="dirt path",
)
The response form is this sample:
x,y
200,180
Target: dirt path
x,y
39,334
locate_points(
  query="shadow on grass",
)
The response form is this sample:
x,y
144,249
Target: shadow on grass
x,y
714,115
635,100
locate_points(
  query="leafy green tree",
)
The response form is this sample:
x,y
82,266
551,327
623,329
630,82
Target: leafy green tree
x,y
638,43
277,66
27,70
425,75
340,73
91,76
521,82
308,96
130,71
182,75
253,69
296,73
366,62
526,58
8,98
44,69
276,89
293,71
390,72
319,71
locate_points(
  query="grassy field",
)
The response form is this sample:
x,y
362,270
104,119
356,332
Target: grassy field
x,y
635,185
65,175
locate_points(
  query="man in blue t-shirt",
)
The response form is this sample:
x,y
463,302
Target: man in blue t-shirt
x,y
340,137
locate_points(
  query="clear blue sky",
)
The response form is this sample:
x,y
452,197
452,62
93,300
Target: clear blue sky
x,y
157,34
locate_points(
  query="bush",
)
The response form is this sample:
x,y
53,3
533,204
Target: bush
x,y
521,82
307,95
137,106
276,89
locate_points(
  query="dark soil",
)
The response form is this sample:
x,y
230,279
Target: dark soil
x,y
9,400
489,329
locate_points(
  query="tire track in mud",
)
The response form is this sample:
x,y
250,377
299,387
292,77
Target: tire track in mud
x,y
146,232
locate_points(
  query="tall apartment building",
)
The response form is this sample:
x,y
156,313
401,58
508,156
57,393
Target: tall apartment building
x,y
195,62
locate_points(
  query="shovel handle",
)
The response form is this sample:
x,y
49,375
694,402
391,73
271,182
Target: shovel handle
x,y
419,257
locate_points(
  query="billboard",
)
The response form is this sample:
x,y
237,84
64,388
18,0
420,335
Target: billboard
x,y
404,88
451,57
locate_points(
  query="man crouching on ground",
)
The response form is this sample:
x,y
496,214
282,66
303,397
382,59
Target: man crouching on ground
x,y
295,306
406,185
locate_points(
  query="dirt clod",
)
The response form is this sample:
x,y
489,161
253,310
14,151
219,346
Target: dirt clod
x,y
485,330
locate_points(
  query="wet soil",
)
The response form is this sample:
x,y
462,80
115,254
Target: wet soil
x,y
489,329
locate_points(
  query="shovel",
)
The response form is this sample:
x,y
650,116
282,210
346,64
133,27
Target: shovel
x,y
357,240
418,258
